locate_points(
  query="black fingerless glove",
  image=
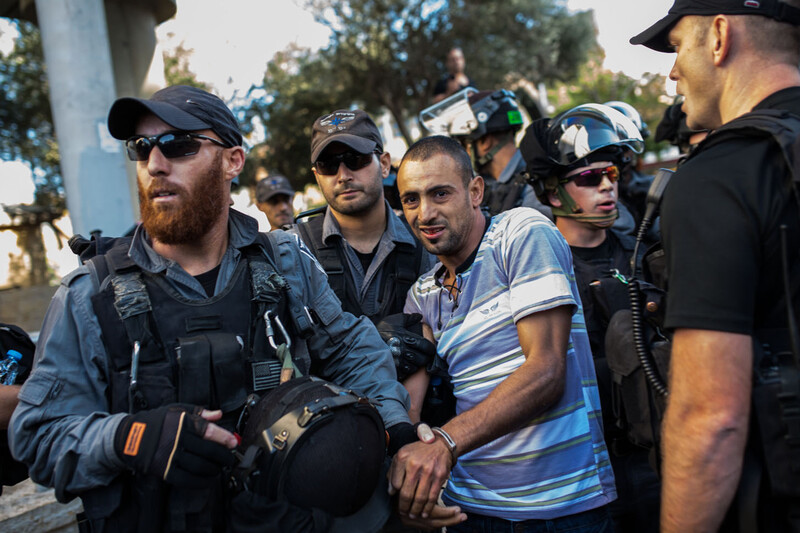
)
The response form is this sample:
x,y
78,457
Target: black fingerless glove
x,y
400,435
410,350
167,442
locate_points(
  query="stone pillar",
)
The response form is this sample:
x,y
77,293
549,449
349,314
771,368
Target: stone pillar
x,y
79,68
138,63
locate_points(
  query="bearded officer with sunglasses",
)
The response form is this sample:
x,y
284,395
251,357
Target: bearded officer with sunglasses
x,y
148,353
574,162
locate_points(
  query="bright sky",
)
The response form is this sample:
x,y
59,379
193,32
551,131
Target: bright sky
x,y
232,51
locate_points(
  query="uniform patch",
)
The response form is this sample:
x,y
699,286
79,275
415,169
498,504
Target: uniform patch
x,y
134,439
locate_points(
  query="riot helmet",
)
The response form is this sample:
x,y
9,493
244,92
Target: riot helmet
x,y
631,112
469,114
578,137
314,444
494,111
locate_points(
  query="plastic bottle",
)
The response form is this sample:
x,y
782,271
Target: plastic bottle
x,y
9,367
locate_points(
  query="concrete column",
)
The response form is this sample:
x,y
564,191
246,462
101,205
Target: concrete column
x,y
79,68
138,62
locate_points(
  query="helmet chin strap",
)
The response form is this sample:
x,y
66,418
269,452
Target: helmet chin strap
x,y
570,209
487,157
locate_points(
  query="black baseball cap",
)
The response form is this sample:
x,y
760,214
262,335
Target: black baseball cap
x,y
351,127
182,107
655,37
272,185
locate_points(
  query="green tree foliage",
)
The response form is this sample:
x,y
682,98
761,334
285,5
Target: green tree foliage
x,y
298,87
388,54
26,123
597,85
176,69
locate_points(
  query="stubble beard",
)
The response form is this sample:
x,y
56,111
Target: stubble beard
x,y
371,196
200,207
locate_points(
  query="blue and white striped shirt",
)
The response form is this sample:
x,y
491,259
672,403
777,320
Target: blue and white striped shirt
x,y
557,464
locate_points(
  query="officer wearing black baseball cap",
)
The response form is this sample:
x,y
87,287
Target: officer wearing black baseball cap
x,y
152,350
182,107
731,232
274,196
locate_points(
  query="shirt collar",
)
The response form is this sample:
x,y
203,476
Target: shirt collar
x,y
242,231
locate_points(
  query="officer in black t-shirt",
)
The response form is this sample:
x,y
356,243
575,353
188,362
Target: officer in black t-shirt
x,y
722,220
581,184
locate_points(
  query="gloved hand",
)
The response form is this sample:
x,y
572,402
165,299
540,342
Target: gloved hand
x,y
168,442
410,350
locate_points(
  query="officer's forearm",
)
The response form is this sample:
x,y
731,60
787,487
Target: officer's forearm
x,y
705,428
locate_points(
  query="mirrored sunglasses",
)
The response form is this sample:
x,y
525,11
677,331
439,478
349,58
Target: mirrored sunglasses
x,y
171,144
592,177
329,165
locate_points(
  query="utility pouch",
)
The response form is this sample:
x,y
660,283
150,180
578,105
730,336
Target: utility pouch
x,y
609,295
637,408
776,408
211,372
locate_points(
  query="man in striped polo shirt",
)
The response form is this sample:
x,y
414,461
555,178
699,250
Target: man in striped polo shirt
x,y
503,307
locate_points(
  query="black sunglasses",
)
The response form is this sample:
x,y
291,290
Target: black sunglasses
x,y
592,177
171,144
329,166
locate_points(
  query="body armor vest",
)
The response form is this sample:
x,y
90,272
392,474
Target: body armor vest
x,y
164,348
398,274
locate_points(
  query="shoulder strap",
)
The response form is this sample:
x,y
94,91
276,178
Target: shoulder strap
x,y
407,266
782,125
299,312
330,257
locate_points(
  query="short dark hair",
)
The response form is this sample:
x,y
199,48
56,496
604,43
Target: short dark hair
x,y
427,147
773,39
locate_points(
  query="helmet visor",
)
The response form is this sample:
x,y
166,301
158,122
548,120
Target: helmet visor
x,y
582,130
452,116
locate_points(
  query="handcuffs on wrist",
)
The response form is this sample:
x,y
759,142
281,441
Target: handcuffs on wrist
x,y
448,441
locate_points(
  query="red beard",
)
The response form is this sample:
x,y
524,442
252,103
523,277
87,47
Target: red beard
x,y
200,207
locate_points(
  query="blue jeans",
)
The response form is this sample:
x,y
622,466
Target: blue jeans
x,y
593,521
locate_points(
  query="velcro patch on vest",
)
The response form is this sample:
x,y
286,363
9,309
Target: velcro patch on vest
x,y
134,439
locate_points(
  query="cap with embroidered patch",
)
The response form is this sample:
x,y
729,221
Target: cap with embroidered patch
x,y
655,37
351,127
272,185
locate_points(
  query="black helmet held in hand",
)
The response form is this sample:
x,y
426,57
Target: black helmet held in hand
x,y
314,444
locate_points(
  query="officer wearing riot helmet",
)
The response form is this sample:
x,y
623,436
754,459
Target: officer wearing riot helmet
x,y
574,161
148,352
731,232
487,128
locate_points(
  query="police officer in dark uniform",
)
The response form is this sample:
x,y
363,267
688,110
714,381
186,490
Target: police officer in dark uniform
x,y
369,253
580,181
148,352
731,231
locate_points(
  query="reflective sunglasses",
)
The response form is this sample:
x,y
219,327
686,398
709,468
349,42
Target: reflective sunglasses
x,y
329,165
171,144
592,177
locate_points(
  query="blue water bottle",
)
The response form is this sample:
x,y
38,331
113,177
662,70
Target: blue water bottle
x,y
9,367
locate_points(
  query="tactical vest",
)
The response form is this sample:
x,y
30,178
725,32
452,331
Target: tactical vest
x,y
773,452
500,197
398,273
164,348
